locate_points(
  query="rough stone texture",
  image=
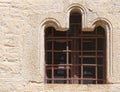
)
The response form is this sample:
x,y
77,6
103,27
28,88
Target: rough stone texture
x,y
22,43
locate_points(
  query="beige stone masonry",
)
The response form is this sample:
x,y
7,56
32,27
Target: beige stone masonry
x,y
22,56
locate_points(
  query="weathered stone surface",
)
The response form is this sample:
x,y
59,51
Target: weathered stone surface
x,y
22,42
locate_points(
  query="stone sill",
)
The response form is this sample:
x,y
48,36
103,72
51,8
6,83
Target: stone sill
x,y
82,87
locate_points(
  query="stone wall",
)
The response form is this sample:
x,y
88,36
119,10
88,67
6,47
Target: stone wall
x,y
22,24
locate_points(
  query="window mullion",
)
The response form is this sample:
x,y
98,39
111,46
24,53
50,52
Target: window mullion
x,y
53,56
81,60
96,72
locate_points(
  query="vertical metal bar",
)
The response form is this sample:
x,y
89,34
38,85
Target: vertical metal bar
x,y
67,52
67,57
96,72
104,59
45,75
52,75
81,60
52,56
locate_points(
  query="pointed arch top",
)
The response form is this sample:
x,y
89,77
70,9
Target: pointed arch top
x,y
50,22
106,24
103,22
79,8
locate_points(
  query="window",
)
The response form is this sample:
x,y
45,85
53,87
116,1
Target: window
x,y
75,56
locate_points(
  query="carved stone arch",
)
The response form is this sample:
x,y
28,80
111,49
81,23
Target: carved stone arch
x,y
80,9
50,22
108,30
103,22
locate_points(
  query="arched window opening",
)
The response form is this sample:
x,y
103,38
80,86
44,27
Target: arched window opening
x,y
75,56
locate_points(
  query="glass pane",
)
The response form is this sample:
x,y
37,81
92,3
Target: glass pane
x,y
79,44
60,73
75,17
88,71
79,61
49,58
100,44
69,59
60,45
76,44
100,60
89,44
49,45
78,27
70,31
88,60
100,30
59,58
100,72
100,53
79,71
76,71
48,32
49,73
77,30
69,44
60,33
89,82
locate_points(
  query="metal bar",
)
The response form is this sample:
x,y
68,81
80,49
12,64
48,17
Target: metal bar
x,y
96,72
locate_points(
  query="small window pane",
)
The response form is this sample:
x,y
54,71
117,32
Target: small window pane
x,y
100,53
79,44
48,32
60,73
49,73
49,58
69,59
88,60
88,44
59,58
79,61
100,44
60,45
70,31
89,72
100,72
75,17
49,45
100,60
100,30
60,33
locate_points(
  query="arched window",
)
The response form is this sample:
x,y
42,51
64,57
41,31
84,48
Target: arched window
x,y
75,56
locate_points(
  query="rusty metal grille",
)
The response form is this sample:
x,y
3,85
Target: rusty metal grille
x,y
74,56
